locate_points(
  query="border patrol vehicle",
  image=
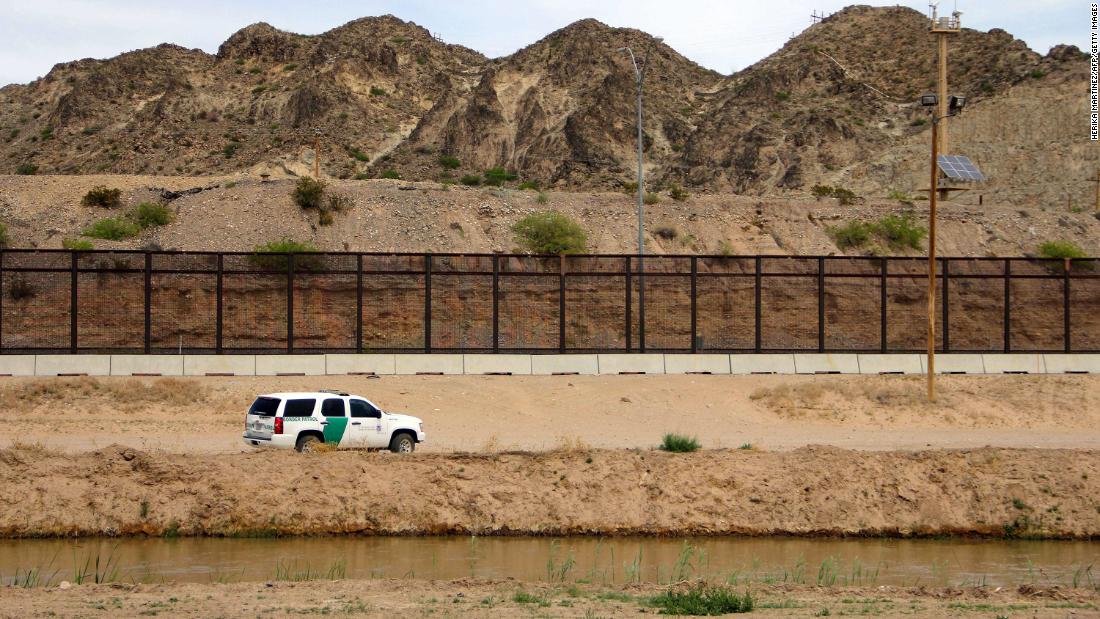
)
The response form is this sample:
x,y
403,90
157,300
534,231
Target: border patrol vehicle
x,y
305,420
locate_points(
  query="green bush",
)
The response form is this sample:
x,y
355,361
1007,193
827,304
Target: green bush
x,y
308,192
651,198
822,191
550,232
391,174
77,244
268,255
358,155
498,176
362,176
897,194
851,234
702,600
1060,250
532,185
844,196
542,198
630,187
902,231
102,196
677,193
449,162
230,149
112,229
471,180
4,240
148,214
679,443
27,169
377,92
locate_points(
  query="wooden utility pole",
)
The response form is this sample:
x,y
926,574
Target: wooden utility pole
x,y
932,195
317,154
943,27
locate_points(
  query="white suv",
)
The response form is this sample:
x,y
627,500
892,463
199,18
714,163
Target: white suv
x,y
306,420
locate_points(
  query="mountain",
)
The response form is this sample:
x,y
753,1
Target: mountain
x,y
836,105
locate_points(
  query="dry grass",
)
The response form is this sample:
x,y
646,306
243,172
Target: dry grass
x,y
572,443
126,394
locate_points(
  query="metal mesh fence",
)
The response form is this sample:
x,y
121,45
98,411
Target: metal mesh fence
x,y
129,301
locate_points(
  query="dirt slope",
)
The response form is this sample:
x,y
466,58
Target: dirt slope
x,y
809,491
234,213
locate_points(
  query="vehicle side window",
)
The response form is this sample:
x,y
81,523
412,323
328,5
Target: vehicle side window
x,y
265,407
362,408
299,408
332,407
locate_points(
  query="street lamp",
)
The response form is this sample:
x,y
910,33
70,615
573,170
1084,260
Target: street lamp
x,y
639,77
955,105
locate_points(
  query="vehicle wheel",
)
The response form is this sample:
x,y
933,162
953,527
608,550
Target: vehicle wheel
x,y
402,444
307,443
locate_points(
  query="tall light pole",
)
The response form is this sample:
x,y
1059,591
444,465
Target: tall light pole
x,y
954,106
639,78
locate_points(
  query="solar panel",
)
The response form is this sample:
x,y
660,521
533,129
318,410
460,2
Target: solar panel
x,y
959,168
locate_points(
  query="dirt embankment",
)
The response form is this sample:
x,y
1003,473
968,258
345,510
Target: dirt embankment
x,y
809,491
493,599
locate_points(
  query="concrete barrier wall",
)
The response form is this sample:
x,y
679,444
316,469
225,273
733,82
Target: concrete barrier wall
x,y
522,365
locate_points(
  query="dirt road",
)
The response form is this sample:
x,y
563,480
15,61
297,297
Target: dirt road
x,y
492,413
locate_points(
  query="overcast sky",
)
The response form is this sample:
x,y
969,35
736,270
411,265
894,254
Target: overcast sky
x,y
724,35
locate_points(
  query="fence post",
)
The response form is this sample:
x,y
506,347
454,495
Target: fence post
x,y
945,299
756,316
1008,306
359,303
882,305
629,297
427,303
496,303
290,303
820,304
561,303
218,307
148,299
73,305
694,305
1066,347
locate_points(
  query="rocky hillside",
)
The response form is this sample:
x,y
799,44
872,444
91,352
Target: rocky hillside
x,y
835,105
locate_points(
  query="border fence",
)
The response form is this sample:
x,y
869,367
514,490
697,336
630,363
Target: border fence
x,y
207,302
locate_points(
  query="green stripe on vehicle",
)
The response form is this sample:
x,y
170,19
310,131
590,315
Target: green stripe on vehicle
x,y
334,431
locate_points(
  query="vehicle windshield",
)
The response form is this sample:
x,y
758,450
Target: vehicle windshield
x,y
265,407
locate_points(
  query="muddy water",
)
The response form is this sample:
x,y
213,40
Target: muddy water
x,y
606,561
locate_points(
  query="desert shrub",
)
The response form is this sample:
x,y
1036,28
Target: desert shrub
x,y
230,149
782,95
358,155
269,255
851,234
471,180
290,67
651,198
677,193
4,235
550,232
821,191
308,192
102,196
532,185
112,229
338,203
148,214
76,244
498,176
391,174
679,443
630,187
725,248
27,169
362,176
449,162
666,232
377,92
1060,250
897,194
902,231
844,196
918,122
542,198
325,218
21,289
702,599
